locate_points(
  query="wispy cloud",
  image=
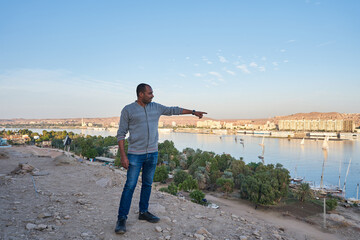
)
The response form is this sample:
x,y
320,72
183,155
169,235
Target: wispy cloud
x,y
263,58
291,41
243,68
222,59
198,75
262,69
253,64
326,43
275,64
216,74
282,50
182,75
230,72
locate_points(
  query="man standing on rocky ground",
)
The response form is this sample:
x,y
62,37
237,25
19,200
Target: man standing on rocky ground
x,y
141,119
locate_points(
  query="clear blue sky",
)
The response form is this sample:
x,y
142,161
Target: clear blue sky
x,y
233,59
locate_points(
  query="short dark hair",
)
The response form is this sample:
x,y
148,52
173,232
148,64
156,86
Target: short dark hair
x,y
141,88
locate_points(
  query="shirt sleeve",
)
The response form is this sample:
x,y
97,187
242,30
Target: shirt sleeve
x,y
169,110
123,125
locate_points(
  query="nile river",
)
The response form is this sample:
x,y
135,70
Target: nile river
x,y
304,161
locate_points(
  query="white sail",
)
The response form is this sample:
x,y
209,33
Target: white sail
x,y
325,145
302,141
347,172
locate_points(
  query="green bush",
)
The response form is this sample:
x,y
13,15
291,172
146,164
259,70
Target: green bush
x,y
180,176
197,196
303,192
172,189
227,185
331,204
266,185
161,174
189,184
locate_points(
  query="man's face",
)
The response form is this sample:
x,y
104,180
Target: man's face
x,y
147,96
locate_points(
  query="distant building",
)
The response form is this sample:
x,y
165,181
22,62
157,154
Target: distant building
x,y
317,125
113,150
209,124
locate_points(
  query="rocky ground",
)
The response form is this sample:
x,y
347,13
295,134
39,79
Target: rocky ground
x,y
79,200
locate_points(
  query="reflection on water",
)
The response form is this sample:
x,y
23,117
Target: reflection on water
x,y
301,160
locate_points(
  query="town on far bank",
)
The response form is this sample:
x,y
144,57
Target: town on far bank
x,y
334,126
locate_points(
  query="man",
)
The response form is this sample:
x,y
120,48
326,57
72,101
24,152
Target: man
x,y
141,119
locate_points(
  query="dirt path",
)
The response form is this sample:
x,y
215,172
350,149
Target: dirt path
x,y
299,229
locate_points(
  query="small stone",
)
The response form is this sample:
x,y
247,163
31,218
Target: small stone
x,y
41,227
84,234
44,215
243,219
203,230
256,233
199,236
234,216
243,238
168,237
30,226
67,217
166,219
282,229
182,209
158,229
277,236
174,221
198,216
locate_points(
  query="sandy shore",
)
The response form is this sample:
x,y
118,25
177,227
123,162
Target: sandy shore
x,y
80,201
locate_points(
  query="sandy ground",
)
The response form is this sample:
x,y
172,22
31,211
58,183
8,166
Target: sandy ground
x,y
80,201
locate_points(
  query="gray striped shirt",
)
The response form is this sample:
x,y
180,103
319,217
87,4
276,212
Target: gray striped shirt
x,y
142,124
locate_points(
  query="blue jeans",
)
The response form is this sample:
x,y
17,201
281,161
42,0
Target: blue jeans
x,y
146,162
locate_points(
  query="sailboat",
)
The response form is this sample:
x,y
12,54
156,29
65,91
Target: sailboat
x,y
297,179
263,149
347,172
302,141
322,191
325,145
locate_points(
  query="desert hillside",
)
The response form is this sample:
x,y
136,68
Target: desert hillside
x,y
79,200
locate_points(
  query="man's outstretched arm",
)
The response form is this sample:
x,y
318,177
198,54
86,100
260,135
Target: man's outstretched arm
x,y
193,112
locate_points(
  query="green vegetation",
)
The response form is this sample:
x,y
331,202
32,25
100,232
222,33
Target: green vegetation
x,y
197,196
331,204
180,176
87,146
172,189
161,174
259,183
189,184
303,192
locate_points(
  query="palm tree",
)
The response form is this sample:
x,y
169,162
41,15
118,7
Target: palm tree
x,y
303,191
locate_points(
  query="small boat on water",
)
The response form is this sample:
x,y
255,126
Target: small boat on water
x,y
325,145
263,149
302,141
297,179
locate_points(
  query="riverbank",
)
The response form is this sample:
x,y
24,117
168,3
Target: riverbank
x,y
80,201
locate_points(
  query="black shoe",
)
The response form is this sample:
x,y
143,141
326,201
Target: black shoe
x,y
120,226
148,217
